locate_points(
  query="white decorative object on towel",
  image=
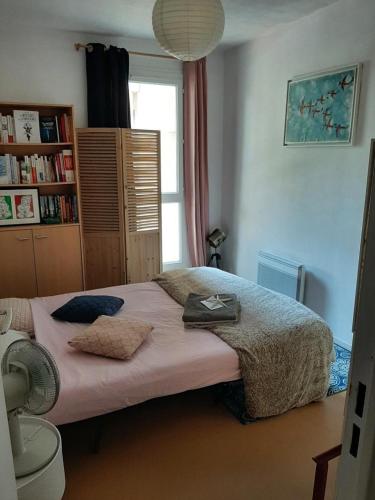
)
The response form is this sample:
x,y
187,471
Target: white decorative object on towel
x,y
281,275
214,302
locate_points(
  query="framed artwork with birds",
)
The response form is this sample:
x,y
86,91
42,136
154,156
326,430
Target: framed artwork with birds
x,y
322,107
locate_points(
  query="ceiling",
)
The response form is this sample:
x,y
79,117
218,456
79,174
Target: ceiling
x,y
245,19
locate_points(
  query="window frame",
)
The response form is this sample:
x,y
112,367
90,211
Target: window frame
x,y
146,75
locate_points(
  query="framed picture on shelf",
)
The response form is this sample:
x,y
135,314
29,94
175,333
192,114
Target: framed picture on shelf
x,y
19,207
322,107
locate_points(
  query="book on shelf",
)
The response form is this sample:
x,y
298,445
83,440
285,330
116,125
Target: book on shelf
x,y
58,209
48,129
9,170
68,166
10,127
6,129
32,169
55,128
4,174
65,128
26,126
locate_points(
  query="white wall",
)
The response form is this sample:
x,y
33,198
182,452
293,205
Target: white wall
x,y
42,66
304,203
215,83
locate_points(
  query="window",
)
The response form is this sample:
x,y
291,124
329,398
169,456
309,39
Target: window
x,y
157,106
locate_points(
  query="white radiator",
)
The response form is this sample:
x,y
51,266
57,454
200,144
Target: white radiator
x,y
281,275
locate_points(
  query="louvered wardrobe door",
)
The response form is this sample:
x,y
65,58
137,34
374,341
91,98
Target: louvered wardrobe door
x,y
141,160
99,154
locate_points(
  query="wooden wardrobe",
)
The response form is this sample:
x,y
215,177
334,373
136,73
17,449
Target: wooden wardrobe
x,y
120,205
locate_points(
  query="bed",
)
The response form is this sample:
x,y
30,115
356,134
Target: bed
x,y
171,360
280,349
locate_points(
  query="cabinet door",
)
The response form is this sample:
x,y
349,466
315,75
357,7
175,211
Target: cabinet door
x,y
17,268
143,256
58,260
104,260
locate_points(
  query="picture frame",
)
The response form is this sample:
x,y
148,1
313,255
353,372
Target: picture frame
x,y
19,207
322,107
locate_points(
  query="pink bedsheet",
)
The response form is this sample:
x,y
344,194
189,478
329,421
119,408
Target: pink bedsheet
x,y
170,361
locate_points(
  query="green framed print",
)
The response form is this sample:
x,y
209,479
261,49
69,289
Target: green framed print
x,y
19,207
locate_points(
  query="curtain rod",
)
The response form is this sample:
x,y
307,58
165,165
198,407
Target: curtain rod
x,y
87,46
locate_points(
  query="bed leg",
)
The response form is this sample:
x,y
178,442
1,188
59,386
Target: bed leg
x,y
217,391
96,435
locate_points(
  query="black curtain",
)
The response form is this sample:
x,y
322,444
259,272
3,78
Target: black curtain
x,y
107,86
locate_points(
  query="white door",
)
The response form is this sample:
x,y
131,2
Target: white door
x,y
158,106
356,474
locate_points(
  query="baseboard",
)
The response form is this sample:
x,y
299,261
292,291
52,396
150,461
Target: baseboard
x,y
343,344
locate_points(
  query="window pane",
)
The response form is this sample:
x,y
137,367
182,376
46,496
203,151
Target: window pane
x,y
153,106
171,232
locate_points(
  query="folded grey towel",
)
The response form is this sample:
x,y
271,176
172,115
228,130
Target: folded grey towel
x,y
197,315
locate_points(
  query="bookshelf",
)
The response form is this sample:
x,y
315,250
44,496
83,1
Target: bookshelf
x,y
20,145
42,184
47,153
56,246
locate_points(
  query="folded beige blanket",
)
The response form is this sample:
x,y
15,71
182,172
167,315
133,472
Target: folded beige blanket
x,y
284,348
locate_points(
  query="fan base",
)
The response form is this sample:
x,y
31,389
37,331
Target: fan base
x,y
40,445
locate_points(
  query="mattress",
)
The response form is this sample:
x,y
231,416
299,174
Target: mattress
x,y
172,359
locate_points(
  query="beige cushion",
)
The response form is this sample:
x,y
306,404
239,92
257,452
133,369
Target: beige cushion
x,y
112,337
22,318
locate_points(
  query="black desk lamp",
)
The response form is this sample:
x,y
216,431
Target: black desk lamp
x,y
215,239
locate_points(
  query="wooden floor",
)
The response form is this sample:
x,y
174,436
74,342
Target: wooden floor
x,y
187,447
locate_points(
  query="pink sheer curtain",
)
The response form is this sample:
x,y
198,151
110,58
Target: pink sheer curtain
x,y
195,159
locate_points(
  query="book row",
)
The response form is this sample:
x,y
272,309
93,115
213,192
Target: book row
x,y
25,126
58,209
37,169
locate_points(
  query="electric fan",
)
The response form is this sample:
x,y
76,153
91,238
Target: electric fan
x,y
31,383
5,319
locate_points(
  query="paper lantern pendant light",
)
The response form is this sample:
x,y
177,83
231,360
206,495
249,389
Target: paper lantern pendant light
x,y
188,29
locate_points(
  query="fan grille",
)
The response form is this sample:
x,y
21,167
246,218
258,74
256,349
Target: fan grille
x,y
43,373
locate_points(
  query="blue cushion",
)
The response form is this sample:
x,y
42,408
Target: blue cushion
x,y
86,308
